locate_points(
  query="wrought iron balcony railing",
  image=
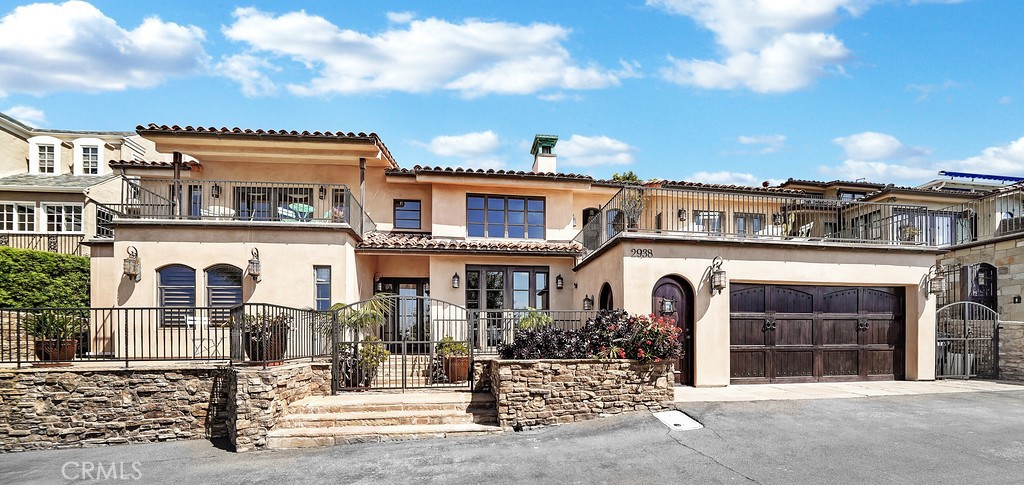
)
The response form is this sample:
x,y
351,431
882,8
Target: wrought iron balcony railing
x,y
236,200
994,216
54,242
696,214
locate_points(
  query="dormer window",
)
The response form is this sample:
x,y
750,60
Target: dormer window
x,y
44,155
90,160
47,163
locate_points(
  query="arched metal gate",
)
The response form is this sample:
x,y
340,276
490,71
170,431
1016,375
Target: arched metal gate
x,y
400,342
967,340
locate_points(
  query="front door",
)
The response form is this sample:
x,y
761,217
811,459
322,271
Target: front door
x,y
407,319
668,289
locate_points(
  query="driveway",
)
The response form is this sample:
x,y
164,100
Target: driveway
x,y
940,438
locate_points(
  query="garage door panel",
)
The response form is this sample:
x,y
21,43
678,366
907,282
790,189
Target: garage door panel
x,y
794,363
794,332
838,332
792,299
884,331
747,298
749,364
881,300
841,362
746,331
880,362
839,300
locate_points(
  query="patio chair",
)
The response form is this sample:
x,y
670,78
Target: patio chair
x,y
287,215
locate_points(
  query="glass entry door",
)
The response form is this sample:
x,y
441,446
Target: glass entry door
x,y
408,318
497,291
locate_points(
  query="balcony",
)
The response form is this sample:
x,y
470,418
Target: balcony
x,y
307,203
685,214
54,242
997,216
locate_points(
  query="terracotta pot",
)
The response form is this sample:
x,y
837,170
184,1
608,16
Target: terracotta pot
x,y
51,350
268,350
456,368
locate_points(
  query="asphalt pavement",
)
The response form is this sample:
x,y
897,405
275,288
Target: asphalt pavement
x,y
940,438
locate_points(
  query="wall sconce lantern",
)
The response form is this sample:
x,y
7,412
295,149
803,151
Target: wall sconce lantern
x,y
377,285
322,192
1016,299
559,282
255,270
681,215
936,280
215,191
716,276
456,281
667,306
588,303
132,265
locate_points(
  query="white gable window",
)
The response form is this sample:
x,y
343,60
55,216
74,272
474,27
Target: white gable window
x,y
88,154
44,155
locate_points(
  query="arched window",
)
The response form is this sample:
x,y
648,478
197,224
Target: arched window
x,y
223,289
176,287
606,302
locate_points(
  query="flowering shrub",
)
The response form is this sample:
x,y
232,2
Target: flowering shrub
x,y
611,335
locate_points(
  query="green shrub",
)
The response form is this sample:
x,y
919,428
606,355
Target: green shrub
x,y
448,347
38,279
535,319
54,324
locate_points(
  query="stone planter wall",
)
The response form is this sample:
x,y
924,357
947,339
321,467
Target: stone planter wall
x,y
1011,351
534,393
482,374
43,408
261,397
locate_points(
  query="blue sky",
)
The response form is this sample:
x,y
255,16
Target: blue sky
x,y
724,91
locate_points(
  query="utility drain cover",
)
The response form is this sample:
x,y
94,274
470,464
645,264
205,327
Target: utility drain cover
x,y
677,421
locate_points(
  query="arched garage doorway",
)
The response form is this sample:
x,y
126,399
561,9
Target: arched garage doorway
x,y
673,297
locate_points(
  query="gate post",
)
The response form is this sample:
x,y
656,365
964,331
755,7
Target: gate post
x,y
335,358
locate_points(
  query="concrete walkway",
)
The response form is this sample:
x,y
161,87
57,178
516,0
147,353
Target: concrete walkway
x,y
836,390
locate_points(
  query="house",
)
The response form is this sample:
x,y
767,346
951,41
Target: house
x,y
49,180
808,281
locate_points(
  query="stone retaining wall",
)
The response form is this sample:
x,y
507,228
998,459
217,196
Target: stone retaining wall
x,y
1011,351
261,397
43,408
532,393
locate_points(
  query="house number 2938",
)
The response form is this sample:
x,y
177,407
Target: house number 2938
x,y
642,252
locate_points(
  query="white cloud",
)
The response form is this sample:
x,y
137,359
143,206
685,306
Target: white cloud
x,y
470,145
73,46
925,91
725,177
879,171
589,151
1005,100
770,46
247,71
770,143
400,17
999,160
472,58
871,145
27,114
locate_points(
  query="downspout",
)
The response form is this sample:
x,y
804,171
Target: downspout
x,y
177,182
362,194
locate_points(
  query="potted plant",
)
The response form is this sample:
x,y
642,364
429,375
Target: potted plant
x,y
266,336
371,355
454,358
909,233
534,319
56,334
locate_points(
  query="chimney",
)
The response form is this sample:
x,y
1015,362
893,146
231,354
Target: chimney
x,y
543,153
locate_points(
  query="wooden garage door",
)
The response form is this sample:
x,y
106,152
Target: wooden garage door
x,y
815,333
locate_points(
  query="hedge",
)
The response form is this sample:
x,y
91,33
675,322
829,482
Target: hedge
x,y
33,279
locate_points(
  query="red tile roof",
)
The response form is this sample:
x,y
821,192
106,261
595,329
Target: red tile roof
x,y
418,169
682,184
236,131
151,164
426,242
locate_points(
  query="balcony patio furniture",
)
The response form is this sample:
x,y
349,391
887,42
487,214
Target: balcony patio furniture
x,y
302,211
218,213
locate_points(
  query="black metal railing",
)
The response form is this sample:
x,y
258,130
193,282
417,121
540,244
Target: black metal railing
x,y
491,328
996,215
236,200
54,242
760,217
264,333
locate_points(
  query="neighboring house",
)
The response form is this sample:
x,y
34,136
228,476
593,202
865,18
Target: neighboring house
x,y
810,281
50,179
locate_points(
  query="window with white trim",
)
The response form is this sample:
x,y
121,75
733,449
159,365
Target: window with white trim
x,y
91,160
322,296
17,217
63,218
44,155
47,160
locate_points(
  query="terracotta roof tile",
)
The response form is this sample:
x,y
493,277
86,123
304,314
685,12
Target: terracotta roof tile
x,y
682,184
336,135
383,240
480,171
150,164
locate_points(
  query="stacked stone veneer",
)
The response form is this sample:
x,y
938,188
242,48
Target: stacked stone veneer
x,y
262,396
74,407
1011,351
533,393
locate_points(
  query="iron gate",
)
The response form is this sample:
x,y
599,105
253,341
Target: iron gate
x,y
967,339
401,342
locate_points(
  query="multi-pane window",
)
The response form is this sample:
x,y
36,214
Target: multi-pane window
x,y
18,217
407,214
176,288
46,159
90,160
104,223
748,224
502,287
64,218
322,292
709,221
507,217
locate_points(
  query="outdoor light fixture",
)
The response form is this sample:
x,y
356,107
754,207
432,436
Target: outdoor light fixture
x,y
982,279
681,214
716,276
559,282
588,302
1016,299
377,285
322,192
668,306
936,280
132,265
456,280
215,191
254,265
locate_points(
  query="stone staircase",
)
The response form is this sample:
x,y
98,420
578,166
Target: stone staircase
x,y
373,417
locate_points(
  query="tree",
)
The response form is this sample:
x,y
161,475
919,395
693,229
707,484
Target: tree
x,y
628,177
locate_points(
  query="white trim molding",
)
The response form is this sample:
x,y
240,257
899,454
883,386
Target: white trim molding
x,y
80,145
33,154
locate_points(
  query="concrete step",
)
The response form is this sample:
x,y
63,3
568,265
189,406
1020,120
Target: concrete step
x,y
311,437
382,402
387,418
